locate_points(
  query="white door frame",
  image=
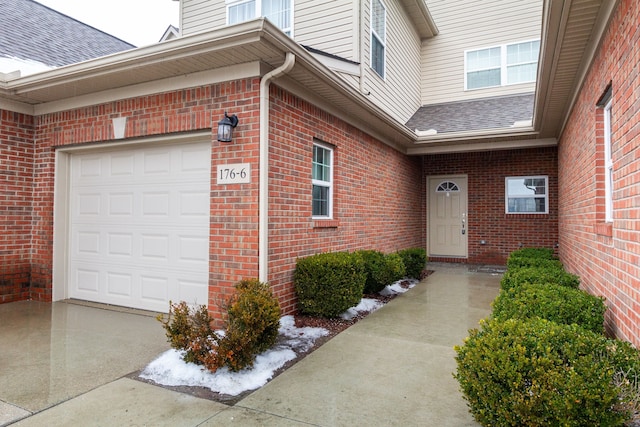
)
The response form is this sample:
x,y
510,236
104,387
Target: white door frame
x,y
464,214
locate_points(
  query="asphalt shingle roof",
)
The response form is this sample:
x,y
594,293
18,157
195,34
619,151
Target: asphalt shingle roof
x,y
486,113
30,30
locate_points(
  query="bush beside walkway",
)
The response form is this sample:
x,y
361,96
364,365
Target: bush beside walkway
x,y
542,359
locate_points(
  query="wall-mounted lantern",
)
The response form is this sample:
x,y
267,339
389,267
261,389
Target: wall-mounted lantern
x,y
225,127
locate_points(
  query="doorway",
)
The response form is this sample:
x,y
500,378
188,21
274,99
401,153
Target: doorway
x,y
447,218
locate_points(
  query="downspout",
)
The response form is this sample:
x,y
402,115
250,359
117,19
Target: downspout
x,y
263,201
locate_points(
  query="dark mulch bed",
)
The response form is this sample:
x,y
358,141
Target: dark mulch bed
x,y
333,325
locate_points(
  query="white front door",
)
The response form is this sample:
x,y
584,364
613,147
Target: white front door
x,y
139,225
447,202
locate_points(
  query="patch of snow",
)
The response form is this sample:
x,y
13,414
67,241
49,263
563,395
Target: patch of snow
x,y
365,305
171,370
397,288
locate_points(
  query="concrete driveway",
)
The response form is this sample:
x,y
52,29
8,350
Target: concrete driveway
x,y
67,364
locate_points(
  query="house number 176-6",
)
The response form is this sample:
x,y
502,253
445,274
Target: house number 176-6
x,y
238,173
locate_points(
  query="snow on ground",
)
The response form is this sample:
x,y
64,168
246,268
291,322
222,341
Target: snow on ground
x,y
169,368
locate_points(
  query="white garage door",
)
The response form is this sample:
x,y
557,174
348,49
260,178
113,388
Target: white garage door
x,y
139,226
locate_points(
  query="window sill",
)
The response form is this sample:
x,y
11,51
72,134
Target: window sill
x,y
326,223
603,229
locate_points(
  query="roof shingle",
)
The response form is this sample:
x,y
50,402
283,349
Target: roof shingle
x,y
479,114
32,31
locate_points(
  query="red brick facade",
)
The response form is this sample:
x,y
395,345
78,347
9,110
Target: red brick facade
x,y
377,201
16,181
606,255
486,172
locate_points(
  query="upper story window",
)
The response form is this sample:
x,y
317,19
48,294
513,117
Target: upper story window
x,y
378,36
527,195
501,65
280,12
322,181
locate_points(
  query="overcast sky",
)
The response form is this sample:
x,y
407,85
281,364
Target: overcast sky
x,y
139,22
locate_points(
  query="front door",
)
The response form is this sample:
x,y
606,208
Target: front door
x,y
447,202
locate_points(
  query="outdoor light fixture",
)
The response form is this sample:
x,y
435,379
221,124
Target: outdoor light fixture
x,y
225,127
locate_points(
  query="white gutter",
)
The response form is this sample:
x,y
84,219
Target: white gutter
x,y
263,219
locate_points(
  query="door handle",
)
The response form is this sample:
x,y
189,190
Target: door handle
x,y
463,229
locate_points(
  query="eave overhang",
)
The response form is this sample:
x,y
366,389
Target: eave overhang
x,y
421,18
256,41
571,34
571,31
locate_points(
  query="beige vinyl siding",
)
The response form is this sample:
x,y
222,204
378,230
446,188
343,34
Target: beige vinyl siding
x,y
399,92
202,15
473,25
328,26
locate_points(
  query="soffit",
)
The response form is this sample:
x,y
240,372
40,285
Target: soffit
x,y
419,14
250,42
571,32
179,57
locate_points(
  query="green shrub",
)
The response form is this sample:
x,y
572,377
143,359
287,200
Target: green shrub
x,y
381,269
552,302
373,263
328,284
539,373
524,262
414,260
393,269
538,275
254,319
539,253
189,329
253,322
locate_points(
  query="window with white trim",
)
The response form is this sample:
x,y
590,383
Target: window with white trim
x,y
279,12
527,195
608,165
501,65
322,181
378,36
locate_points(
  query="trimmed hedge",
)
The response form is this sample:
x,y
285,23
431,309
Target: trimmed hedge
x,y
414,260
539,253
514,277
328,284
556,303
373,262
538,373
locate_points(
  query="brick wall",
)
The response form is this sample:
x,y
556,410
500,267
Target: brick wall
x,y
16,172
378,195
606,256
234,211
487,220
379,201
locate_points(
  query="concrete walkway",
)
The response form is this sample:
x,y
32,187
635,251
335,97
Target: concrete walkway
x,y
392,368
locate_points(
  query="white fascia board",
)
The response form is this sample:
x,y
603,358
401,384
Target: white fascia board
x,y
157,53
201,78
16,107
464,147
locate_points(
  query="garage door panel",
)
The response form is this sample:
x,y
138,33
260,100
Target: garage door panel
x,y
193,249
119,244
119,284
87,280
140,226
